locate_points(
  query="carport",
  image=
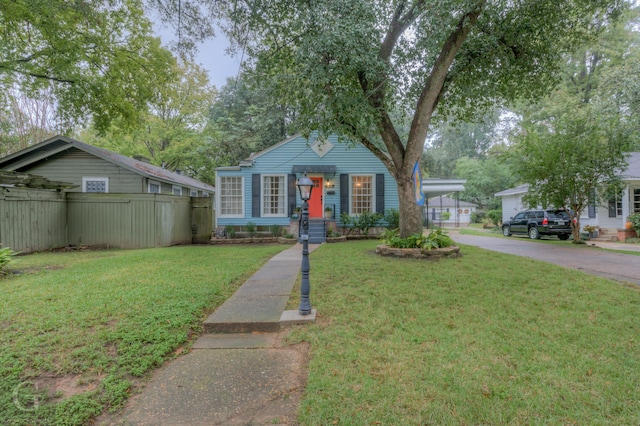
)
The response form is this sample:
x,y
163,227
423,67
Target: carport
x,y
435,187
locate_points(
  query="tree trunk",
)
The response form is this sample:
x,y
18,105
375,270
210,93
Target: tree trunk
x,y
410,212
575,229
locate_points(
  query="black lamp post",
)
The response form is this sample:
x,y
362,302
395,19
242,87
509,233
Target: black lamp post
x,y
305,186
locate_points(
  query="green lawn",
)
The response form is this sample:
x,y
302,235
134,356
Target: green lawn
x,y
483,339
486,338
107,318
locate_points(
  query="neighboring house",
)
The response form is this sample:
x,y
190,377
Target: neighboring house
x,y
512,201
99,170
612,215
262,189
459,211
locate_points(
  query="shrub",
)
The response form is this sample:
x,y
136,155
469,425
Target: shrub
x,y
347,223
634,218
276,230
495,216
332,233
230,231
366,220
477,216
252,231
445,215
6,256
437,238
392,217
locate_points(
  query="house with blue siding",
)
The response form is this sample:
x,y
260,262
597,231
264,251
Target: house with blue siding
x,y
262,189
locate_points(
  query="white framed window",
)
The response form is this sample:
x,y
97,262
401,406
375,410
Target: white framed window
x,y
205,194
231,196
154,187
362,194
193,193
176,190
95,184
274,194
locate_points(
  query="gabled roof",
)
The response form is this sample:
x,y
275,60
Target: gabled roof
x,y
632,172
310,140
59,144
522,189
448,202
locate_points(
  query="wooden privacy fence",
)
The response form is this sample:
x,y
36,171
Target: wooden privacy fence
x,y
51,219
32,219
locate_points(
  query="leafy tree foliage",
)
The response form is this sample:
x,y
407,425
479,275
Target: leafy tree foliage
x,y
348,65
572,144
96,57
248,118
484,178
171,133
573,162
453,140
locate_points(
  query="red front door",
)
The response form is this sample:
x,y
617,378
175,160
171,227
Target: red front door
x,y
315,203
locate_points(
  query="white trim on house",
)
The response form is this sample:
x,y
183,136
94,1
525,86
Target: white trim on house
x,y
87,180
219,197
283,196
372,198
193,193
176,189
151,183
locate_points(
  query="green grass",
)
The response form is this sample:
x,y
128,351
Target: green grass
x,y
486,338
105,319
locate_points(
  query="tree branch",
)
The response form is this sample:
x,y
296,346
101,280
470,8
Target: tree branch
x,y
37,75
399,24
432,90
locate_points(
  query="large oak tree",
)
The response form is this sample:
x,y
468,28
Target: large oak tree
x,y
350,66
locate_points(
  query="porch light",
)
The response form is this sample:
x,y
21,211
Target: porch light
x,y
305,185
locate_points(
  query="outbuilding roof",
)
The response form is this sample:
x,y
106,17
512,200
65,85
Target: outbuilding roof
x,y
59,144
449,202
522,189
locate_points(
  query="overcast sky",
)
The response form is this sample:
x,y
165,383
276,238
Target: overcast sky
x,y
211,55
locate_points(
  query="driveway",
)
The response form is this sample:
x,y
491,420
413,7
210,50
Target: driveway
x,y
616,266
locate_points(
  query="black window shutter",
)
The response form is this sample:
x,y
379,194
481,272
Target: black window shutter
x,y
380,193
255,195
612,208
592,204
291,196
344,193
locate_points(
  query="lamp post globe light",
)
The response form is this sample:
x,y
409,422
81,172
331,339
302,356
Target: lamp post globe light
x,y
305,186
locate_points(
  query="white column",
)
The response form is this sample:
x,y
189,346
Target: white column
x,y
626,203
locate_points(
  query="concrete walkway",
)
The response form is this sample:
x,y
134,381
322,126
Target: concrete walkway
x,y
243,376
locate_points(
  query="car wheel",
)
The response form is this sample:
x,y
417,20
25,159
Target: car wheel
x,y
564,236
506,231
533,233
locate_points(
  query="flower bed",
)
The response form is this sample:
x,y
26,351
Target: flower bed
x,y
418,253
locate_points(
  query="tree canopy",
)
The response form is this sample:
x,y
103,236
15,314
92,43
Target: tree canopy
x,y
352,66
96,57
573,144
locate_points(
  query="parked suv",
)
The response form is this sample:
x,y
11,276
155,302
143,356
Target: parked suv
x,y
536,223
